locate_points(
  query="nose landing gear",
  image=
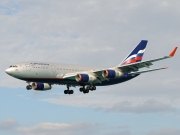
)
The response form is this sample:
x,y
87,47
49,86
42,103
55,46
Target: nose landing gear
x,y
29,86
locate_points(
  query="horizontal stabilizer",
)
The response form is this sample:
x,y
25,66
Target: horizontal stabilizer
x,y
144,71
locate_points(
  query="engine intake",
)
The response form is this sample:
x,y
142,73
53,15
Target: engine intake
x,y
112,74
41,86
85,78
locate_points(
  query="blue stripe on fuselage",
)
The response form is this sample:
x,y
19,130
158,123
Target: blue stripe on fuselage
x,y
73,82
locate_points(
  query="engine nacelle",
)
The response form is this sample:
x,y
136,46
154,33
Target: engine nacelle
x,y
112,74
41,86
85,78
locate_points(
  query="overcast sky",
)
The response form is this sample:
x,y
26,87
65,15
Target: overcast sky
x,y
95,33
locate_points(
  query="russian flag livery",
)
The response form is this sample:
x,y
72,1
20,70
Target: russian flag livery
x,y
137,54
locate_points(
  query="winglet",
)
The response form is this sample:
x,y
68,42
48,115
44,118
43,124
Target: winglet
x,y
173,52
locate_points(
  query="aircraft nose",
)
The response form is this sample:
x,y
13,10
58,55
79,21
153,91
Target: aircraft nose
x,y
8,71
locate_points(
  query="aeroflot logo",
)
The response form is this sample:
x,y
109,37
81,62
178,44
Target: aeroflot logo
x,y
134,58
39,64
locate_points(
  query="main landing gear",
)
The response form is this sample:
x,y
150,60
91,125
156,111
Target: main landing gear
x,y
68,91
86,90
29,86
82,89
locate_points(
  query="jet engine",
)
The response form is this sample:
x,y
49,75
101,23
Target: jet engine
x,y
85,78
112,74
41,86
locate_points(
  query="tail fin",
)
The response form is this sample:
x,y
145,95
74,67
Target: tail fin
x,y
137,54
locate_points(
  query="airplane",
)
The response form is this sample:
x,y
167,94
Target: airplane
x,y
43,75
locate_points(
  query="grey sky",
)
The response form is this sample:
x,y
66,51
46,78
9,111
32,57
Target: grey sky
x,y
97,33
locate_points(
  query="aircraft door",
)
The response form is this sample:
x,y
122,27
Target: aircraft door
x,y
28,68
53,68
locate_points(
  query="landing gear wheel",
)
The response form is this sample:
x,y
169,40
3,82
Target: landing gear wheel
x,y
28,87
71,92
68,92
86,91
81,89
93,87
88,87
65,91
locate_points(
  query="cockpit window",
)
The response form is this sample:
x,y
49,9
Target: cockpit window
x,y
13,66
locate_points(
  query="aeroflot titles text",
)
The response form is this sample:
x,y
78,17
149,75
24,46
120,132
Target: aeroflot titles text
x,y
39,64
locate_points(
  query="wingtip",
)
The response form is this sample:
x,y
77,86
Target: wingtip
x,y
173,52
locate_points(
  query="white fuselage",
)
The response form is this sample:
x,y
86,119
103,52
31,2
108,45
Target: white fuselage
x,y
52,73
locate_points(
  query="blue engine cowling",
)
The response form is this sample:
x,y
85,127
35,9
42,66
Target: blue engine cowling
x,y
41,86
82,78
86,78
112,74
109,73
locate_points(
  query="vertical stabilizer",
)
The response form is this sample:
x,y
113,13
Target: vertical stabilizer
x,y
137,54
